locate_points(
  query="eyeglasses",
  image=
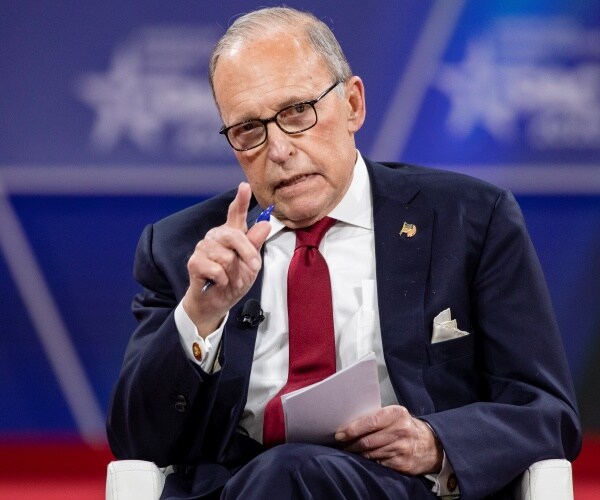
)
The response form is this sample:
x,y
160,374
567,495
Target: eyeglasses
x,y
292,119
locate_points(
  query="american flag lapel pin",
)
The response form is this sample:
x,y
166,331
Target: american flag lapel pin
x,y
408,229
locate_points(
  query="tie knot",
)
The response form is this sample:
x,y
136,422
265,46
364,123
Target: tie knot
x,y
311,236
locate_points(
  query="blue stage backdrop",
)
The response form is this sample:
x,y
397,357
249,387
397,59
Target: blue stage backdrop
x,y
108,124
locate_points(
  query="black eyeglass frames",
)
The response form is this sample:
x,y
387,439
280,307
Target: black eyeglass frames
x,y
292,119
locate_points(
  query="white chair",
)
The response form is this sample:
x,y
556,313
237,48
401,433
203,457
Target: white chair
x,y
135,480
139,480
546,480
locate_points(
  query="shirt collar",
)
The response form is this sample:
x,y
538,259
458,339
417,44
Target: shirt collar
x,y
355,208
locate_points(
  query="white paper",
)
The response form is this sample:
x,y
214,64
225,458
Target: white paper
x,y
313,414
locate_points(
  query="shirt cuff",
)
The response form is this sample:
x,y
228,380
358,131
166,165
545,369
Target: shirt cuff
x,y
444,482
201,351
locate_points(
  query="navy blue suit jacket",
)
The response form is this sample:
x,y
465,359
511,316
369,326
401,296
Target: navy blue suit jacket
x,y
499,399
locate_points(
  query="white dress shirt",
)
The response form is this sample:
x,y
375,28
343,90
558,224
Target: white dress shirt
x,y
349,250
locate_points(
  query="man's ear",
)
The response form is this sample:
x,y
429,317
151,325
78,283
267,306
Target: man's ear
x,y
355,98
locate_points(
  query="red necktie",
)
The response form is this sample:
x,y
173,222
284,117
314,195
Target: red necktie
x,y
310,320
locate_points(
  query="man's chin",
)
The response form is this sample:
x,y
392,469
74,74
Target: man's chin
x,y
301,217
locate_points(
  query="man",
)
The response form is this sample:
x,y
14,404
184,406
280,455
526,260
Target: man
x,y
476,408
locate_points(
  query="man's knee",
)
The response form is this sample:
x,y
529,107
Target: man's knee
x,y
302,471
283,471
284,459
294,456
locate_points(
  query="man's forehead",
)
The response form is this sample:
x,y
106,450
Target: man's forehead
x,y
267,53
269,57
290,40
267,74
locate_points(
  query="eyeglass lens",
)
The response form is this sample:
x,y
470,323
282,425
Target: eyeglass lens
x,y
291,120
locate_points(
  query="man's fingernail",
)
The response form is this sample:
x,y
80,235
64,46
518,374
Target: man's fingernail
x,y
255,264
340,436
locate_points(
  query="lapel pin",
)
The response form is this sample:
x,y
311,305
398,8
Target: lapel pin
x,y
408,229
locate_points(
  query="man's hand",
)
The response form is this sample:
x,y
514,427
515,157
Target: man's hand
x,y
392,437
229,256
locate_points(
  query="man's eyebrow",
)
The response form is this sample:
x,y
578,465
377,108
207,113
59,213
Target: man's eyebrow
x,y
246,118
289,101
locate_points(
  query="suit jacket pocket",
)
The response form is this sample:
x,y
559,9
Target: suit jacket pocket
x,y
448,350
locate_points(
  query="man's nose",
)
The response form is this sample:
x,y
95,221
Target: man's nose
x,y
279,144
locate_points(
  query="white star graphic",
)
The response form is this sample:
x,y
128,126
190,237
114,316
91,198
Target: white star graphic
x,y
121,105
476,91
135,103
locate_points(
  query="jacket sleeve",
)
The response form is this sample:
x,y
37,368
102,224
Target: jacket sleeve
x,y
162,401
525,409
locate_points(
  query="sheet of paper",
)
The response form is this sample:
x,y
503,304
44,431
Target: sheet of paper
x,y
313,414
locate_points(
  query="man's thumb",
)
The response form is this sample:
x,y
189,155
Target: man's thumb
x,y
258,233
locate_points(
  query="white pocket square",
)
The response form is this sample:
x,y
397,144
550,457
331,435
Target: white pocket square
x,y
445,328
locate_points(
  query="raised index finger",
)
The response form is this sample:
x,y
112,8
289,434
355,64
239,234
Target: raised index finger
x,y
238,208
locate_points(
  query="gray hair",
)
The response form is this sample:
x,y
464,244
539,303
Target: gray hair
x,y
255,24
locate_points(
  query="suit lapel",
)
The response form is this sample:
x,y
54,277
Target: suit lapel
x,y
402,267
237,348
253,212
238,341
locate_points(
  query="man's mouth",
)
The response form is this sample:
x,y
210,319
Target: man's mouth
x,y
291,181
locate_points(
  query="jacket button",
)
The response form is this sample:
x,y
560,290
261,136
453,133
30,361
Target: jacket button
x,y
180,403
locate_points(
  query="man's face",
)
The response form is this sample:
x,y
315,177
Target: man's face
x,y
304,175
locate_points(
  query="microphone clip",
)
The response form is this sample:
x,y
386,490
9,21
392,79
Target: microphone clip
x,y
252,314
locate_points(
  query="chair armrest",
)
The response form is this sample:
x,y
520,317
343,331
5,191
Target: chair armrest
x,y
140,480
546,479
134,480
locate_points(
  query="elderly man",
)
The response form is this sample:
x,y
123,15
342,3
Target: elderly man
x,y
468,403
